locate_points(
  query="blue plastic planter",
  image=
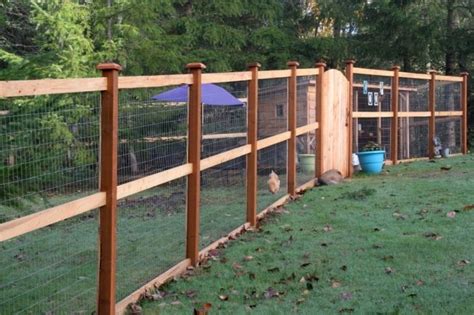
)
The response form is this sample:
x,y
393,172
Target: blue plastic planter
x,y
371,162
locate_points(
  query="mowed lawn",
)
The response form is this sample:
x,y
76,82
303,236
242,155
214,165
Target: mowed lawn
x,y
378,244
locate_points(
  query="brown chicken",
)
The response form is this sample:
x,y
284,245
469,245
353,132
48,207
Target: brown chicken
x,y
273,182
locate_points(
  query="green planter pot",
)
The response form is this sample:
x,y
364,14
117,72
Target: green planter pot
x,y
307,162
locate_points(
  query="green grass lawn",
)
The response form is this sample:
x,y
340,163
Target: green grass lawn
x,y
378,244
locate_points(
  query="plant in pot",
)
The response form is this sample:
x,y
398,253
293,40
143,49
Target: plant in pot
x,y
371,158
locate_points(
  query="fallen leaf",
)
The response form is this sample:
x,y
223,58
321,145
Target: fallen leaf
x,y
302,280
223,297
451,214
389,270
305,292
176,303
468,207
248,258
190,293
463,262
432,235
236,266
399,216
300,300
335,284
327,228
135,309
203,310
346,296
270,293
346,310
420,282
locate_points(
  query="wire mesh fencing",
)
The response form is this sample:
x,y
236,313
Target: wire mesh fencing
x,y
49,156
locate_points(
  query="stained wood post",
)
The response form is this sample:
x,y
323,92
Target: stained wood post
x,y
432,121
319,113
194,157
252,137
350,77
464,111
108,184
395,96
292,114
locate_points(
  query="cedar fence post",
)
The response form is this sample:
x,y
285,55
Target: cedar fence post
x,y
108,184
432,121
252,137
395,88
464,112
194,157
350,77
292,112
319,118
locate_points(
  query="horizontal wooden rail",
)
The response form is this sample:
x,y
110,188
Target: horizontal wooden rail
x,y
307,72
448,78
153,81
51,86
410,75
50,216
154,180
449,113
264,143
274,74
406,114
308,128
226,77
179,268
374,72
371,114
225,156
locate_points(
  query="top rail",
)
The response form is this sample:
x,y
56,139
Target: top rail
x,y
51,86
80,85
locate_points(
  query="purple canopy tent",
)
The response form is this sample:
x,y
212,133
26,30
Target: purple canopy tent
x,y
211,95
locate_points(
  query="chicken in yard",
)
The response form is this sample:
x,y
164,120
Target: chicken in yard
x,y
273,182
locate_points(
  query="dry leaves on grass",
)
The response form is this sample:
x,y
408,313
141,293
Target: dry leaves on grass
x,y
468,207
346,296
335,283
135,309
223,297
463,262
432,235
327,228
204,310
451,214
389,270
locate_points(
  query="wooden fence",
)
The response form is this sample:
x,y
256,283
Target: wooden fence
x,y
110,192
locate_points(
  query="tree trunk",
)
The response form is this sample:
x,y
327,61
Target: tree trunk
x,y
450,25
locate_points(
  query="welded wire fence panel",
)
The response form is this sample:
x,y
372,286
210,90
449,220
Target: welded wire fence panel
x,y
376,130
150,234
448,96
271,159
223,200
306,100
224,127
152,134
372,93
448,130
272,107
413,95
413,137
48,151
48,156
305,167
52,270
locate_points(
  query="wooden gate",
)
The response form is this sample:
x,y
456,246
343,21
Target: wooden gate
x,y
334,123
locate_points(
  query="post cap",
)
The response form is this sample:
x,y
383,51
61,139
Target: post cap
x,y
396,67
320,64
350,61
432,71
254,65
109,66
464,74
195,65
293,64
